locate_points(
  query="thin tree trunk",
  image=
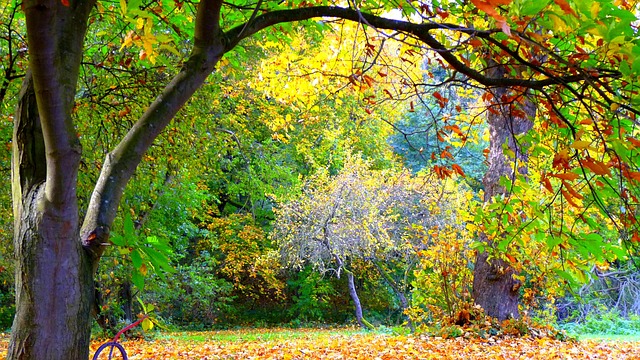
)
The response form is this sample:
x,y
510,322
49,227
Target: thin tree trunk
x,y
404,302
356,302
494,287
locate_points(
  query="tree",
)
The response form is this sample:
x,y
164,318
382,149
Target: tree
x,y
55,261
359,215
494,287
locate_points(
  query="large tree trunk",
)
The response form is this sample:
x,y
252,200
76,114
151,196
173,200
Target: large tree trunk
x,y
55,257
53,284
494,287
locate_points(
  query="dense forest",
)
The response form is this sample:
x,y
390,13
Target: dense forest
x,y
423,165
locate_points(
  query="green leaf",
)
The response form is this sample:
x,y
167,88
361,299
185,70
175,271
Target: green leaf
x,y
136,259
566,276
117,240
533,7
129,229
553,241
159,260
137,279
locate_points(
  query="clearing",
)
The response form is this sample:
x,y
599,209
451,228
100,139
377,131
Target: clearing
x,y
352,344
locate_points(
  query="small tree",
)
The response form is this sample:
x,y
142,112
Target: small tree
x,y
356,215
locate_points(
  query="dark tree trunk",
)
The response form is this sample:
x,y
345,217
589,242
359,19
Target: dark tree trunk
x,y
53,283
494,287
126,297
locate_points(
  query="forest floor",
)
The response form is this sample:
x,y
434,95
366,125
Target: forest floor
x,y
351,344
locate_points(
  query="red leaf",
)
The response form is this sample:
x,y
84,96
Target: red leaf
x,y
442,101
65,2
475,42
490,6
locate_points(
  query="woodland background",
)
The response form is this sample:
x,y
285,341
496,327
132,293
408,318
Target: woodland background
x,y
339,122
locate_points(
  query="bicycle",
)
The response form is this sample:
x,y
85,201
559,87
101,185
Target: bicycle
x,y
114,344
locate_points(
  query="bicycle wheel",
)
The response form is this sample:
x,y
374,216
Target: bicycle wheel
x,y
110,350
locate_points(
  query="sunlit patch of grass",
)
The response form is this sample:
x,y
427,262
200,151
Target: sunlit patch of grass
x,y
260,334
608,337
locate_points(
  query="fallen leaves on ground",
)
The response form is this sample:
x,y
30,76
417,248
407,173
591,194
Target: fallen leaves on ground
x,y
369,346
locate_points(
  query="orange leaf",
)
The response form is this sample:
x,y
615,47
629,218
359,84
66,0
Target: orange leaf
x,y
561,159
564,5
634,175
445,154
633,141
368,79
568,197
565,176
458,170
597,167
572,191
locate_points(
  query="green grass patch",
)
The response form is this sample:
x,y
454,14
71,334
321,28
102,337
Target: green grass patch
x,y
259,334
607,337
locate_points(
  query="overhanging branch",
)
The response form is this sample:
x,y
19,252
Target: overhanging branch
x,y
420,31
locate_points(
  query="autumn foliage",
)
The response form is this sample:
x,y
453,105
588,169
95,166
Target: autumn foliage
x,y
318,344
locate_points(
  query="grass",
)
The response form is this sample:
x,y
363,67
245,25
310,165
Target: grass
x,y
261,334
607,337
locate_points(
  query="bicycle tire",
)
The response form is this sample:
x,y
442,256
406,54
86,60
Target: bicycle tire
x,y
111,345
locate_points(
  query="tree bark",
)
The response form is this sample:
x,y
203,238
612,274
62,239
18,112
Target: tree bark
x,y
53,284
356,302
494,287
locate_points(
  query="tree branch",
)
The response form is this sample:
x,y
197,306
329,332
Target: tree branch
x,y
420,31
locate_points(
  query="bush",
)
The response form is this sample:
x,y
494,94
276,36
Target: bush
x,y
608,304
605,322
311,296
192,295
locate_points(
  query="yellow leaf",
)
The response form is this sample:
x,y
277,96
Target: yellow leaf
x,y
147,324
595,9
143,270
579,145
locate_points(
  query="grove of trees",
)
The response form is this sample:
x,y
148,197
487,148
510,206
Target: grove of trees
x,y
152,143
